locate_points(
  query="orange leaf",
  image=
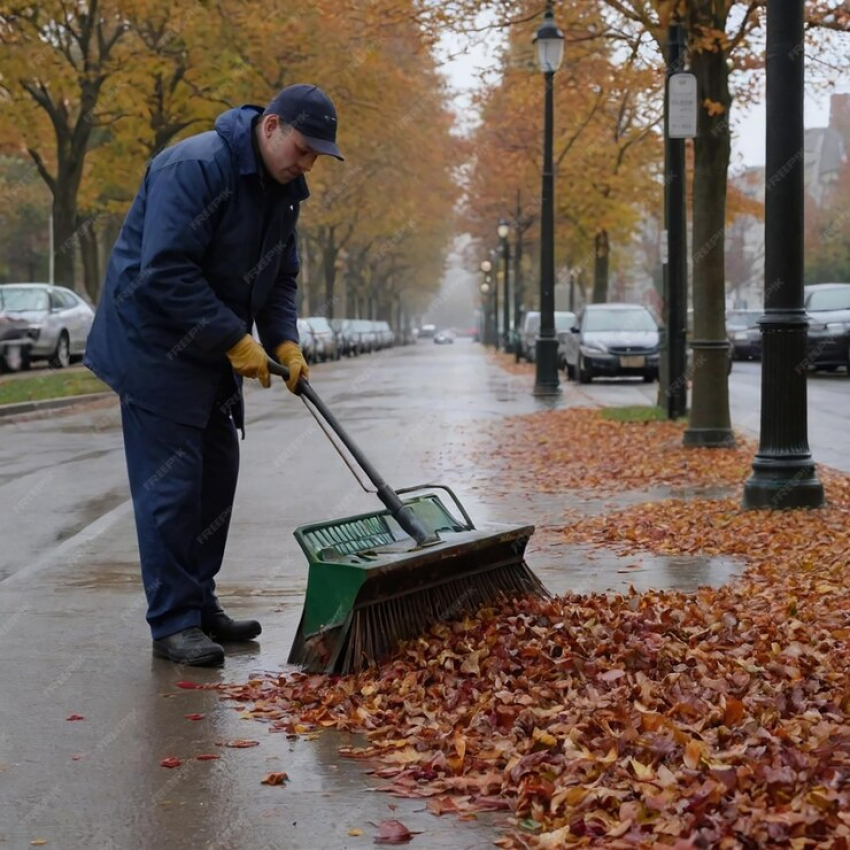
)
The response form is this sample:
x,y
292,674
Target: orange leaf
x,y
734,711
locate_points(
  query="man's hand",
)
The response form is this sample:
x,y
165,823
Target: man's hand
x,y
289,354
250,360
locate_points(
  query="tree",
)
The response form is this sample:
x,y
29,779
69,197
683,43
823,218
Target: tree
x,y
55,62
606,146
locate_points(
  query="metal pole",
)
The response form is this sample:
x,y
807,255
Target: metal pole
x,y
495,294
676,268
783,469
518,294
506,297
546,377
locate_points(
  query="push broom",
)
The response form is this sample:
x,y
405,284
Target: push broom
x,y
375,579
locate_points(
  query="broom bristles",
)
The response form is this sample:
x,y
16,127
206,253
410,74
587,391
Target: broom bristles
x,y
373,630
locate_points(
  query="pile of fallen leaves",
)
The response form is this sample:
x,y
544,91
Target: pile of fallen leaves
x,y
563,450
660,719
654,719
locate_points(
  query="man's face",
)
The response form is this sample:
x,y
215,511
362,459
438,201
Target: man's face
x,y
285,153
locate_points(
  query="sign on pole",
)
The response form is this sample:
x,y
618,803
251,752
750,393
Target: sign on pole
x,y
682,106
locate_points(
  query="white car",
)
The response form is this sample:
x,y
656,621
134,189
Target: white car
x,y
59,320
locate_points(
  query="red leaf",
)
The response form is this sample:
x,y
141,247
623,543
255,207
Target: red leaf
x,y
171,761
206,757
189,686
194,716
393,832
75,717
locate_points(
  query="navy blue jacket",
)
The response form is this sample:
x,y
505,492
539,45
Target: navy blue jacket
x,y
205,251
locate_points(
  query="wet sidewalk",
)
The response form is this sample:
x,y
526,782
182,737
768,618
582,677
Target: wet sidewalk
x,y
76,643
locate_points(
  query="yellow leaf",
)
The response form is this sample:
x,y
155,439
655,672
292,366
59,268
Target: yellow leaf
x,y
460,744
642,771
355,832
693,753
37,842
713,107
544,738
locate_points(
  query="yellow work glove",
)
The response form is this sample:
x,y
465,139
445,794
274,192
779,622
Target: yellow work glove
x,y
250,360
289,354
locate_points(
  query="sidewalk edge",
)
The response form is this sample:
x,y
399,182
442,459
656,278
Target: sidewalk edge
x,y
50,403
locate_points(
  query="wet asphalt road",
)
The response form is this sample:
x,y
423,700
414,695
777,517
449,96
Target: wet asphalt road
x,y
75,640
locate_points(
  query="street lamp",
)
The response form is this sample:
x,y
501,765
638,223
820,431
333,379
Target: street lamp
x,y
503,230
550,53
486,268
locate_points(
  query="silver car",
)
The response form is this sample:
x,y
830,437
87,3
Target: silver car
x,y
59,320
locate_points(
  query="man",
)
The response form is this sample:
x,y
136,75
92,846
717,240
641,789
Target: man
x,y
207,250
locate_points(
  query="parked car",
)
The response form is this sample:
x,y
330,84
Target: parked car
x,y
828,308
444,338
527,348
427,331
15,343
739,323
326,347
307,341
612,339
386,337
59,320
347,338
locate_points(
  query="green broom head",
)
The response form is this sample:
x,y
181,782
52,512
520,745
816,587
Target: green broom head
x,y
370,585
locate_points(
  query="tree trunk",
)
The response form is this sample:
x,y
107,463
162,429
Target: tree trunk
x,y
710,423
90,252
600,267
64,235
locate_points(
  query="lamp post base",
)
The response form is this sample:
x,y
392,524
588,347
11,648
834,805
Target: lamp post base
x,y
546,381
783,484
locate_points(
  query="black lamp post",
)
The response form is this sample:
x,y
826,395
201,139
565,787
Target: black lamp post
x,y
550,53
783,470
503,230
484,289
486,268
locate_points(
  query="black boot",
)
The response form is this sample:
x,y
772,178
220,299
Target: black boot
x,y
191,646
221,627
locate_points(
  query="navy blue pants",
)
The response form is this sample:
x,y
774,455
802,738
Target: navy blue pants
x,y
182,480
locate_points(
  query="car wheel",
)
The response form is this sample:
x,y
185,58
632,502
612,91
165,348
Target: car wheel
x,y
649,377
571,372
585,376
61,358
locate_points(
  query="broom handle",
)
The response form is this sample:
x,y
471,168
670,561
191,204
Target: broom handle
x,y
402,514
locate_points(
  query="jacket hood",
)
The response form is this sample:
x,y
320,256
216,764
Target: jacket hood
x,y
234,126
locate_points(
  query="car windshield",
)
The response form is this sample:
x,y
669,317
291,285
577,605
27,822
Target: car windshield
x,y
564,321
319,324
16,300
619,320
829,299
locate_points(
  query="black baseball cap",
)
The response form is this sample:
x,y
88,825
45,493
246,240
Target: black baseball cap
x,y
310,111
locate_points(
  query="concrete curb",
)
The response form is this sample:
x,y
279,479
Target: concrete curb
x,y
50,403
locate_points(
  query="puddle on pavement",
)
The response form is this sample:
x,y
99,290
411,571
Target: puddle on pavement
x,y
572,568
